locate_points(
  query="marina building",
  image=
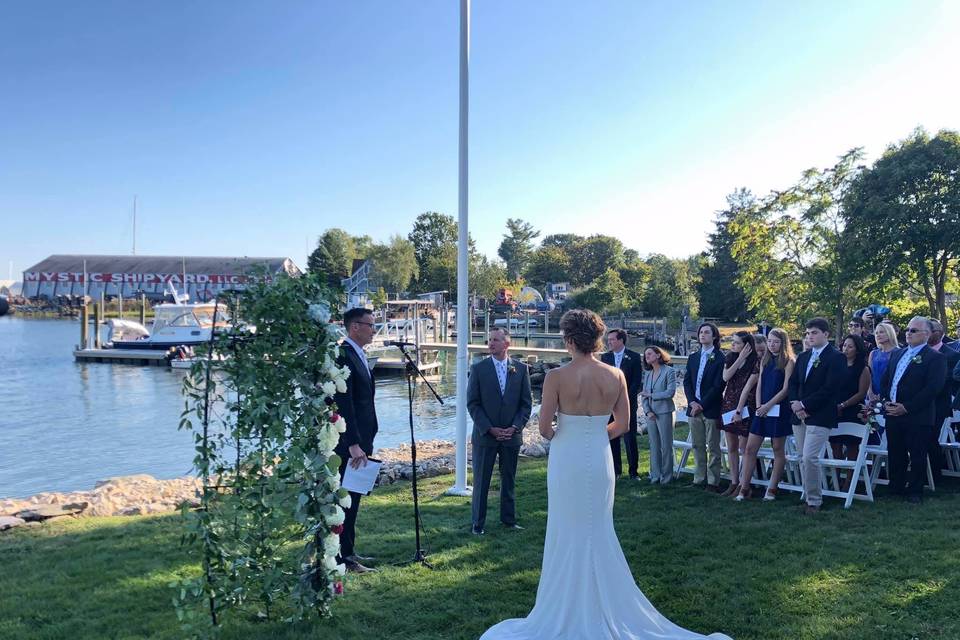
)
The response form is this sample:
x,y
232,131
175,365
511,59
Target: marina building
x,y
129,276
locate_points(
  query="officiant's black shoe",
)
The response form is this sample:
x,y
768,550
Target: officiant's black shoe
x,y
356,567
477,531
914,499
360,559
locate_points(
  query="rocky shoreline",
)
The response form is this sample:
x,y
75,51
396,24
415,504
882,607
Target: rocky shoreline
x,y
143,494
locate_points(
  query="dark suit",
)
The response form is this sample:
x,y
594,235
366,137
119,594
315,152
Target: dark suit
x,y
956,382
489,408
908,436
944,410
819,390
357,408
631,364
705,426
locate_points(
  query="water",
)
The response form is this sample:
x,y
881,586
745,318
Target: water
x,y
64,425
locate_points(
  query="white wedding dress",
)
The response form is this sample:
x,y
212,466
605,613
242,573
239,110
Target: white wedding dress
x,y
586,589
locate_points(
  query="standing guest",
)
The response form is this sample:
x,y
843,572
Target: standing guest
x,y
857,328
659,387
878,359
760,343
356,405
853,391
630,363
499,402
703,388
912,382
814,387
773,388
944,409
740,374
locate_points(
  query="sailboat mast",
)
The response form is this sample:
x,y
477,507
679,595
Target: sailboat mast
x,y
134,225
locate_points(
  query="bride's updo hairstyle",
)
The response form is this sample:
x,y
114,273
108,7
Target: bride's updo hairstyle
x,y
583,329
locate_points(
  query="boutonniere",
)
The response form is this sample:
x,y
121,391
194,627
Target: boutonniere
x,y
625,357
711,356
511,369
816,363
916,359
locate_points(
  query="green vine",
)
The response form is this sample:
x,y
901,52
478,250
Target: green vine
x,y
265,428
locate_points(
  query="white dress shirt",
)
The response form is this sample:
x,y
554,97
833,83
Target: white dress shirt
x,y
360,352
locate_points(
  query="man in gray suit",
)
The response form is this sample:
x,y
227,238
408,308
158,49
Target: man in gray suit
x,y
499,401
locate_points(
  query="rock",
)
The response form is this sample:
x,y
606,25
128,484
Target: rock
x,y
533,450
9,522
131,511
75,507
45,512
140,478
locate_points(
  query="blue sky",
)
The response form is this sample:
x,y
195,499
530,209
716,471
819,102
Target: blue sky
x,y
247,128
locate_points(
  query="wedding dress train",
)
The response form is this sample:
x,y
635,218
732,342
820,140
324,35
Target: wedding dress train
x,y
586,589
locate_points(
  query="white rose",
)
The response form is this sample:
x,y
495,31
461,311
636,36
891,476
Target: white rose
x,y
340,424
346,501
329,387
330,563
332,515
331,545
341,385
341,569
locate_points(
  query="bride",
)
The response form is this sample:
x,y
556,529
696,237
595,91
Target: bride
x,y
586,589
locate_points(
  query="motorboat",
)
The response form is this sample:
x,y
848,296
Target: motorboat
x,y
176,324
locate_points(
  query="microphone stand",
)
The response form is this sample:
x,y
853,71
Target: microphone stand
x,y
411,371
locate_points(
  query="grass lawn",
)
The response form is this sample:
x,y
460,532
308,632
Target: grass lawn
x,y
754,570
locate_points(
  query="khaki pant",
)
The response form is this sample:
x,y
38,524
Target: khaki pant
x,y
706,436
810,442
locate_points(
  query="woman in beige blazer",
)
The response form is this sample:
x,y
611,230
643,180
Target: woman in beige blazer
x,y
659,387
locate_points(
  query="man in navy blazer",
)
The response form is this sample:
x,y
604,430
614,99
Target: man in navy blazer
x,y
499,402
356,405
913,379
703,387
814,387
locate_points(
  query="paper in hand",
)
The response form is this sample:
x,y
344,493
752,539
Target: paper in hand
x,y
774,411
729,416
361,480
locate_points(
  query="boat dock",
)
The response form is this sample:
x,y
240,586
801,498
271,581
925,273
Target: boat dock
x,y
141,357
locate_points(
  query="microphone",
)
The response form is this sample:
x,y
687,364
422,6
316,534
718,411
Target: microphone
x,y
398,343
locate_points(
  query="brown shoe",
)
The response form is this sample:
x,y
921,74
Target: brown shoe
x,y
713,488
732,489
356,567
811,510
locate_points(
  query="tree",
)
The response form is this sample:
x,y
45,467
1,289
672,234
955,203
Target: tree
x,y
395,263
812,212
564,241
607,294
548,264
517,246
670,287
718,291
589,258
903,216
486,276
333,256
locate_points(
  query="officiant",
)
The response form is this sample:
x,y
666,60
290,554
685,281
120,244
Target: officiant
x,y
357,407
499,402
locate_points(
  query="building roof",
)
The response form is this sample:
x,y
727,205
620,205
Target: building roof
x,y
161,264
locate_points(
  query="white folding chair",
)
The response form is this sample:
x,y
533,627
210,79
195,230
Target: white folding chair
x,y
857,468
951,448
682,448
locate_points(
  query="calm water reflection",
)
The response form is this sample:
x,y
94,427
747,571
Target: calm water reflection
x,y
64,425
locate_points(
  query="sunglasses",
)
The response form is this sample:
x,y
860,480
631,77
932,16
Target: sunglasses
x,y
912,330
